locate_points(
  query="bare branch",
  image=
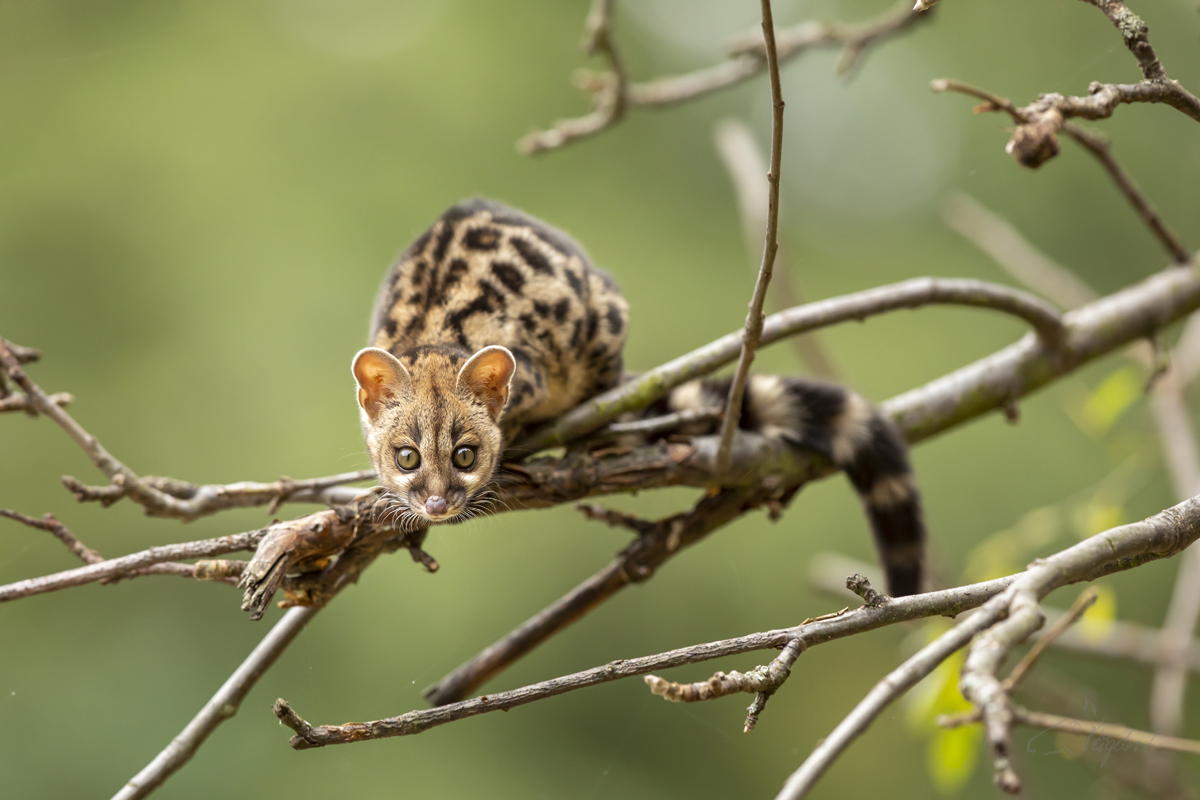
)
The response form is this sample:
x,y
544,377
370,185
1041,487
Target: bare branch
x,y
612,90
1056,629
145,562
648,387
609,90
1165,534
666,422
1118,639
1090,728
754,318
949,602
198,500
763,681
638,562
746,166
880,697
20,402
969,392
223,705
48,523
1095,144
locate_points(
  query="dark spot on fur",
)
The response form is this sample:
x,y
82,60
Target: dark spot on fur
x,y
592,321
561,308
576,283
418,273
415,325
575,331
542,309
615,320
416,299
482,239
536,260
443,242
389,325
529,322
508,275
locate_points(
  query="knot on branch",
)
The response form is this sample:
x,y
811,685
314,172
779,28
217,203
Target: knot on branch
x,y
863,588
1036,142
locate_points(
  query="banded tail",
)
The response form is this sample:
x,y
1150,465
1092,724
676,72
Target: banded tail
x,y
844,428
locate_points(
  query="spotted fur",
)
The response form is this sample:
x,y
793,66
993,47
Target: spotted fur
x,y
844,428
483,275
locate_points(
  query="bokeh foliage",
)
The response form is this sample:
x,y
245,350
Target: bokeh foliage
x,y
197,201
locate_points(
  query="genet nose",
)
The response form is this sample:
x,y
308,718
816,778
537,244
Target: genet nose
x,y
435,505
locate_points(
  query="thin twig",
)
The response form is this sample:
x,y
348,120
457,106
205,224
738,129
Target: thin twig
x,y
747,59
762,681
223,705
1095,144
1003,622
197,500
1056,629
666,422
997,237
754,318
746,165
144,562
880,697
1164,535
20,402
649,386
1118,737
48,523
163,496
609,91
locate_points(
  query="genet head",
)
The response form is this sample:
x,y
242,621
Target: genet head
x,y
432,427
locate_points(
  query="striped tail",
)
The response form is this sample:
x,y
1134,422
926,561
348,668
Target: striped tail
x,y
844,428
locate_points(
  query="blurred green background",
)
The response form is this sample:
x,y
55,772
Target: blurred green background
x,y
197,201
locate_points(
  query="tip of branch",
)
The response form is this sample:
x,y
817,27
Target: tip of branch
x,y
940,84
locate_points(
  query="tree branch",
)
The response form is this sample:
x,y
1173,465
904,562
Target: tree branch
x,y
747,59
146,562
1163,535
1095,144
917,292
746,166
810,634
609,90
754,318
223,705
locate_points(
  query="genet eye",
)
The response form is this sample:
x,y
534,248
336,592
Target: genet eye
x,y
407,458
464,457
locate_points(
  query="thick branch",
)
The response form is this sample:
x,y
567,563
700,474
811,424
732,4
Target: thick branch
x,y
1161,536
648,387
988,384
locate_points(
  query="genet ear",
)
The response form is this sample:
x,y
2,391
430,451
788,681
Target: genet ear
x,y
486,375
380,379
